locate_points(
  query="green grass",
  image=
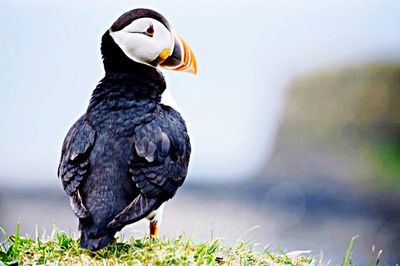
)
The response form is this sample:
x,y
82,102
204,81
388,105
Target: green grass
x,y
60,248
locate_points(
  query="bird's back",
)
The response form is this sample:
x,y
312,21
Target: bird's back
x,y
117,171
108,188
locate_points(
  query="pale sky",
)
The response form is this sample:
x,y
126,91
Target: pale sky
x,y
247,52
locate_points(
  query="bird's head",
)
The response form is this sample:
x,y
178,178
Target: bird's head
x,y
143,36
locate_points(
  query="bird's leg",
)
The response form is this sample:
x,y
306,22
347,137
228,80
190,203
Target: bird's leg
x,y
155,220
153,229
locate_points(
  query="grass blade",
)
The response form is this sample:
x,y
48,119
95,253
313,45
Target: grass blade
x,y
347,256
378,258
371,256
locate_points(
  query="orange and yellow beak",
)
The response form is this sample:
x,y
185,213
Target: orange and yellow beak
x,y
181,59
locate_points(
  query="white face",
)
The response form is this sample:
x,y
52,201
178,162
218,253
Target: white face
x,y
144,39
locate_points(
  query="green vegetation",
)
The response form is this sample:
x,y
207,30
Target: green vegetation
x,y
342,123
385,155
62,249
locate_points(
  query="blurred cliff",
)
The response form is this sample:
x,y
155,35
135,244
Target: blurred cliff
x,y
337,152
342,124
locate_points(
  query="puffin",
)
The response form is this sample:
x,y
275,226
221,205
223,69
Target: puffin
x,y
129,152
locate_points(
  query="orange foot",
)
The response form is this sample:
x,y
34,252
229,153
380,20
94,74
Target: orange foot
x,y
153,230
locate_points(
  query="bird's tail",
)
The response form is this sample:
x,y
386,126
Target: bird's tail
x,y
139,208
94,243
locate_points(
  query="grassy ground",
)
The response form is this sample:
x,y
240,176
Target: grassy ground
x,y
61,249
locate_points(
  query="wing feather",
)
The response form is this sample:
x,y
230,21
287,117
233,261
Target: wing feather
x,y
158,165
74,163
161,155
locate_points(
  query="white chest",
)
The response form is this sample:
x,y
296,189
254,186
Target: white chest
x,y
168,99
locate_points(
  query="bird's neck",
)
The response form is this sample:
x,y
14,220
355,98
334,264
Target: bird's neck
x,y
129,90
120,102
127,76
124,91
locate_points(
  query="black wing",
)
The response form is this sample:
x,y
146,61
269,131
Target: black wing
x,y
74,163
160,158
158,165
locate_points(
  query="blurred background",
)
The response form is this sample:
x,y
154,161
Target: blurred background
x,y
294,118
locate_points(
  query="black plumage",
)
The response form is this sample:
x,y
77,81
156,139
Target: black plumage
x,y
128,153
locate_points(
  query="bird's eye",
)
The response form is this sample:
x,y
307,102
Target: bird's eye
x,y
150,31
